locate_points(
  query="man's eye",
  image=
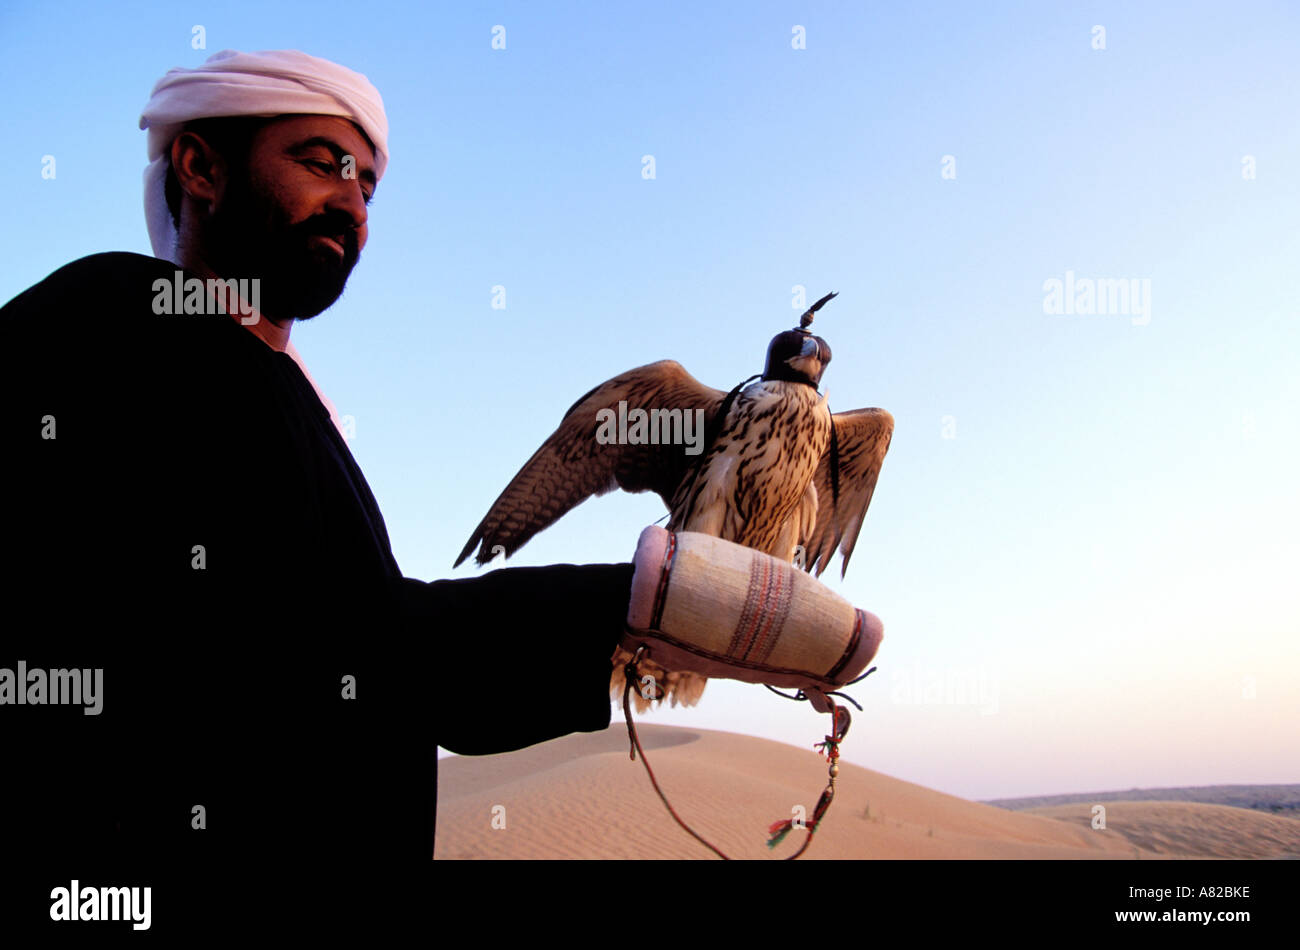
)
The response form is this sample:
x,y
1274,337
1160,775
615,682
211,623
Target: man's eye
x,y
328,168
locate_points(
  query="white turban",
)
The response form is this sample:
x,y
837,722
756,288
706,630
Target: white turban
x,y
271,83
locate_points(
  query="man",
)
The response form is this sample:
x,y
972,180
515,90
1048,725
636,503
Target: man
x,y
198,567
187,519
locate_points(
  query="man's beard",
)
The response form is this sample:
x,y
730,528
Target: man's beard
x,y
250,237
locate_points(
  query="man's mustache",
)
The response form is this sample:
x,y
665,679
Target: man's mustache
x,y
338,227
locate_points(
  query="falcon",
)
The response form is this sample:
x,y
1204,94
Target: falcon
x,y
773,468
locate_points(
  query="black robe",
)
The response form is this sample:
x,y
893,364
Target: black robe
x,y
198,529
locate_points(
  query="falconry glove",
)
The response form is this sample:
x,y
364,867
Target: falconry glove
x,y
703,605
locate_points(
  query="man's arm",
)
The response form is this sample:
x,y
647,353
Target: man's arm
x,y
517,656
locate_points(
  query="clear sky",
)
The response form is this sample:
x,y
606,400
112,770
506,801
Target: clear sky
x,y
1090,517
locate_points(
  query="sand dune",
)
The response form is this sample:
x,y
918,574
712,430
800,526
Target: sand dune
x,y
581,797
1281,800
1184,829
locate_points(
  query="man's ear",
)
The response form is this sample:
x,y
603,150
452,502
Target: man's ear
x,y
199,168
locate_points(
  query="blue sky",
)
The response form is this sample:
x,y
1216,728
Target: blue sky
x,y
1093,515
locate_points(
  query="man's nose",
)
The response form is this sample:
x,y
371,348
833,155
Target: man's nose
x,y
349,199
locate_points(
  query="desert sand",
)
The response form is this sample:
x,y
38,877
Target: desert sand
x,y
1187,829
582,797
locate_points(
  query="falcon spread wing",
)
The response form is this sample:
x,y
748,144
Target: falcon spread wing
x,y
572,465
862,439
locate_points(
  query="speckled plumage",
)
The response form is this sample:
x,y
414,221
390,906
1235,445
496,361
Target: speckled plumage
x,y
754,482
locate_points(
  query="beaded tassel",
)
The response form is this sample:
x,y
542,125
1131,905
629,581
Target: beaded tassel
x,y
831,749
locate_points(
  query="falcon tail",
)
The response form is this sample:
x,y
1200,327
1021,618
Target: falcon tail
x,y
678,689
